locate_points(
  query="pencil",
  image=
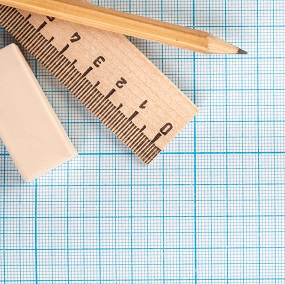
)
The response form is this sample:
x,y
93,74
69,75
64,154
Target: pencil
x,y
127,24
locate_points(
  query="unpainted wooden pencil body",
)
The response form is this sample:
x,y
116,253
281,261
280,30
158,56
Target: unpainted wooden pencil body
x,y
128,24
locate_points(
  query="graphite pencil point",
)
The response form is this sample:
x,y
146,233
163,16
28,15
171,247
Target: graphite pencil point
x,y
241,51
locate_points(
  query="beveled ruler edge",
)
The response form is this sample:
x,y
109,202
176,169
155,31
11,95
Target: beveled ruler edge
x,y
64,70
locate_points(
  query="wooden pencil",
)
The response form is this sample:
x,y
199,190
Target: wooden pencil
x,y
127,24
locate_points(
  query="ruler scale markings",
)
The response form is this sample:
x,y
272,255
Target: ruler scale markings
x,y
64,76
113,91
145,150
53,58
74,61
132,137
93,93
149,153
14,25
48,52
93,102
119,106
75,76
155,154
51,51
143,128
160,123
117,118
69,79
79,80
151,156
3,8
19,32
120,120
77,84
14,22
81,85
136,139
11,17
63,69
116,121
64,49
130,133
59,63
105,104
87,71
140,144
121,131
87,90
145,153
120,127
50,40
96,104
134,142
127,131
41,26
133,115
27,36
58,55
28,17
37,43
110,115
31,38
107,111
114,118
7,11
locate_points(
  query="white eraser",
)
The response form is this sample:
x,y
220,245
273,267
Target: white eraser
x,y
29,127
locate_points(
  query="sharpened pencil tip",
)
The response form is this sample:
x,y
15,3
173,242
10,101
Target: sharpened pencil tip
x,y
241,51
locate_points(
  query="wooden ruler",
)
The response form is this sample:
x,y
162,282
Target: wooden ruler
x,y
109,75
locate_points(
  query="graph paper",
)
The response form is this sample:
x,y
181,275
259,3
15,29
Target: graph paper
x,y
209,209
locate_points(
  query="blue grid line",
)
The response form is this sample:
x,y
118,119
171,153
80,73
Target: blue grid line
x,y
209,209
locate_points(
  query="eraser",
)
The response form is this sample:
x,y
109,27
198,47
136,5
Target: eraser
x,y
29,127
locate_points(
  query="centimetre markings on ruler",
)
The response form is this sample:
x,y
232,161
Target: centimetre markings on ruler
x,y
110,76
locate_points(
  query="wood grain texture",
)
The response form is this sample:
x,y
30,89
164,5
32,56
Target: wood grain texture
x,y
110,76
128,24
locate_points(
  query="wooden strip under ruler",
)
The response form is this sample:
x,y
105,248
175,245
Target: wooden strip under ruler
x,y
110,76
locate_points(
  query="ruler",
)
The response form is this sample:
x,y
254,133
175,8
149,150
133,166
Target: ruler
x,y
109,75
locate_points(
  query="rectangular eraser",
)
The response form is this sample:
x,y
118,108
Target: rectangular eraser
x,y
29,127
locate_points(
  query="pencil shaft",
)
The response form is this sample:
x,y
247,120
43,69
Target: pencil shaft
x,y
124,23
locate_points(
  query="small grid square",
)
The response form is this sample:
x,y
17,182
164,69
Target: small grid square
x,y
209,209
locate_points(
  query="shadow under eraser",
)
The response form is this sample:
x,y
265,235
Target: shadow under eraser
x,y
29,127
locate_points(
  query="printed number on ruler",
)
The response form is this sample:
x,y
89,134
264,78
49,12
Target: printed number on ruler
x,y
110,76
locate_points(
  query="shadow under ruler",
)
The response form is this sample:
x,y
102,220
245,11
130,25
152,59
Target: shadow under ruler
x,y
209,209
